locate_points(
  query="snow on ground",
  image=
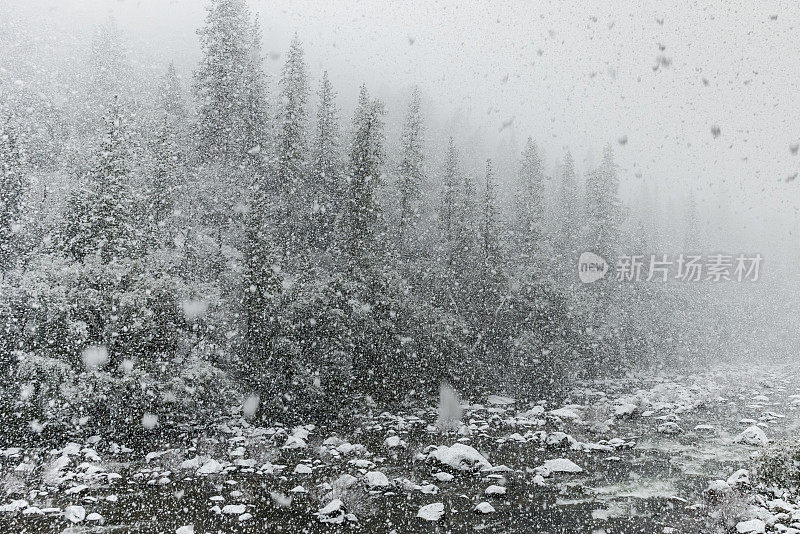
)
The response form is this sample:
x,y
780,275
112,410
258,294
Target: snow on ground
x,y
607,457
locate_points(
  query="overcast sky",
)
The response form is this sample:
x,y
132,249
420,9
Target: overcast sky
x,y
572,74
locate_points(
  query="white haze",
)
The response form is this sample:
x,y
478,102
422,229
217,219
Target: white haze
x,y
574,75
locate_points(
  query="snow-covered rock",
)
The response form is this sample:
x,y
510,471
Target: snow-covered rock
x,y
499,400
669,428
717,488
14,506
560,465
534,413
752,435
441,476
376,479
74,514
495,490
459,456
739,478
567,412
210,467
193,463
625,409
302,469
753,526
393,441
185,529
484,508
234,509
332,513
431,512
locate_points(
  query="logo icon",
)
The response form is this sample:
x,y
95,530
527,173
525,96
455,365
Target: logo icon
x,y
591,267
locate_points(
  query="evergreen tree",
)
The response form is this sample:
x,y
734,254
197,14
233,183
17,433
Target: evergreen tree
x,y
289,172
165,181
530,202
449,210
12,189
325,177
491,278
109,68
170,95
489,234
291,142
166,177
364,170
411,173
603,208
262,289
256,109
99,220
221,81
568,224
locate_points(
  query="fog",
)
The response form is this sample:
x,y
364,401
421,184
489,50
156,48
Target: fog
x,y
573,76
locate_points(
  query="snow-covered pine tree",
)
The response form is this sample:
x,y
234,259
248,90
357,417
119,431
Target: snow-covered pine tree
x,y
603,207
262,288
410,172
256,108
166,176
221,81
364,171
12,188
170,94
291,137
109,68
168,153
289,169
325,180
568,217
530,203
99,218
487,301
489,236
449,209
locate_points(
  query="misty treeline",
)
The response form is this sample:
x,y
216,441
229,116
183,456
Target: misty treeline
x,y
237,236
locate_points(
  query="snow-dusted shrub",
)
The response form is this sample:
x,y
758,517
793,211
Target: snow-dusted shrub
x,y
778,465
54,393
333,339
59,306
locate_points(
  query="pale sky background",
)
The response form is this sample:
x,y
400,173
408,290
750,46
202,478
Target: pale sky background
x,y
572,74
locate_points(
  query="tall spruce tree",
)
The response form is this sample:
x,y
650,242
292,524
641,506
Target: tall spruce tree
x,y
166,176
170,94
568,226
289,170
490,274
12,189
449,210
99,219
256,110
325,182
364,171
603,207
530,203
291,138
410,173
109,68
221,82
489,233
